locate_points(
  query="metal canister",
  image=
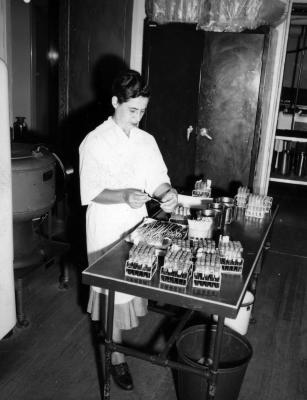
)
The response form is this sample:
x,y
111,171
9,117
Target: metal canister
x,y
300,165
286,163
228,209
218,210
209,217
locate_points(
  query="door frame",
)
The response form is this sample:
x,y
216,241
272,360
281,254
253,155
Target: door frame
x,y
273,85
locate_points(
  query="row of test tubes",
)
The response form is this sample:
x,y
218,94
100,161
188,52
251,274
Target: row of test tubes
x,y
255,205
196,246
177,267
142,261
182,211
242,196
231,256
207,272
202,188
258,205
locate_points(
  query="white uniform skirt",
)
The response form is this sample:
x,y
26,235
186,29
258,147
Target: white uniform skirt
x,y
126,315
127,308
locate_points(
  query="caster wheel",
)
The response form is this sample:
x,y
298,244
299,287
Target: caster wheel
x,y
23,324
63,285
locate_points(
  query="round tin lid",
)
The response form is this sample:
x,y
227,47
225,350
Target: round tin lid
x,y
25,150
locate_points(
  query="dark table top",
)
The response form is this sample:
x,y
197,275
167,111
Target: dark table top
x,y
108,272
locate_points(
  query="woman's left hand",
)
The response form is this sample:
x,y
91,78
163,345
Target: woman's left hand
x,y
169,200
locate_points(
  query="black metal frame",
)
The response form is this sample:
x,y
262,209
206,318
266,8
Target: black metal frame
x,y
104,275
161,359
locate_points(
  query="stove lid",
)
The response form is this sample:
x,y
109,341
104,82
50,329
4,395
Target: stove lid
x,y
25,150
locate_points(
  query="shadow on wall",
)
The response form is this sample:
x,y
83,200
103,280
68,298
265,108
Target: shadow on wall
x,y
73,129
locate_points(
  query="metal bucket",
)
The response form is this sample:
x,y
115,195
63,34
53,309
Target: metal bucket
x,y
195,348
241,322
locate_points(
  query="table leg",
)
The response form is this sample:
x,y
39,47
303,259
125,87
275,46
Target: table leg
x,y
255,276
216,358
21,318
49,216
108,344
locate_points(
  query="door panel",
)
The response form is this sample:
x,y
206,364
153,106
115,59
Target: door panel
x,y
228,99
172,58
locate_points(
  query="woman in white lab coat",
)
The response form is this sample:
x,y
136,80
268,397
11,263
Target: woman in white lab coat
x,y
119,163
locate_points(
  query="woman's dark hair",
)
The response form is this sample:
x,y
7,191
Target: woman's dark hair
x,y
129,84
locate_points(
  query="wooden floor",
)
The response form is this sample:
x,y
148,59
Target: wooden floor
x,y
54,357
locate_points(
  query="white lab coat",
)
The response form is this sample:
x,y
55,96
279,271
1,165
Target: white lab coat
x,y
109,159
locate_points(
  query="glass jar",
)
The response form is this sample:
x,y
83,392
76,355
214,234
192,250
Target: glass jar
x,y
20,129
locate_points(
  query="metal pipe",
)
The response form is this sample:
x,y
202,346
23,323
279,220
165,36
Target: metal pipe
x,y
216,358
302,55
156,359
108,346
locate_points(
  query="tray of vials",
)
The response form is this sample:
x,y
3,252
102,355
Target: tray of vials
x,y
203,245
155,233
231,256
258,206
177,268
180,214
241,197
202,189
142,262
194,245
207,272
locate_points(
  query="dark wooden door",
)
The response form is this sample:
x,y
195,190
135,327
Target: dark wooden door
x,y
95,38
172,58
44,70
206,80
95,41
228,103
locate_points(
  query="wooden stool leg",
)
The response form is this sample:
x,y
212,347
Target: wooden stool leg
x,y
21,319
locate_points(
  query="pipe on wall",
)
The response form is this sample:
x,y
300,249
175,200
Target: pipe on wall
x,y
138,18
7,292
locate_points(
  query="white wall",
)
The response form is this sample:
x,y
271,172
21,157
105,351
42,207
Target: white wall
x,y
7,295
137,35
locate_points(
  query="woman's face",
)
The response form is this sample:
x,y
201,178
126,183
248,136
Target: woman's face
x,y
128,115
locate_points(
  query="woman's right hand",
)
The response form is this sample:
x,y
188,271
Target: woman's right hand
x,y
135,198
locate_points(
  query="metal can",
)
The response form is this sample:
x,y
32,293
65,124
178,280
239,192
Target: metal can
x,y
300,165
228,209
218,210
209,218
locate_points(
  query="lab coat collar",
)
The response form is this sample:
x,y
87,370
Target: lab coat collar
x,y
120,133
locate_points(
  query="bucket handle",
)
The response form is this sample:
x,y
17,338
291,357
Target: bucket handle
x,y
248,304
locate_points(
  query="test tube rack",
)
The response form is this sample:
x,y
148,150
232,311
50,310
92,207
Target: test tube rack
x,y
177,268
141,271
231,257
207,272
242,196
258,206
142,262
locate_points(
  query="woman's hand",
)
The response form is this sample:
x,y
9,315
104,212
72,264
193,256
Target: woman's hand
x,y
135,198
169,200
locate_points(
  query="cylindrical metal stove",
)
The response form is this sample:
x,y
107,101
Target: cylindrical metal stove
x,y
33,190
